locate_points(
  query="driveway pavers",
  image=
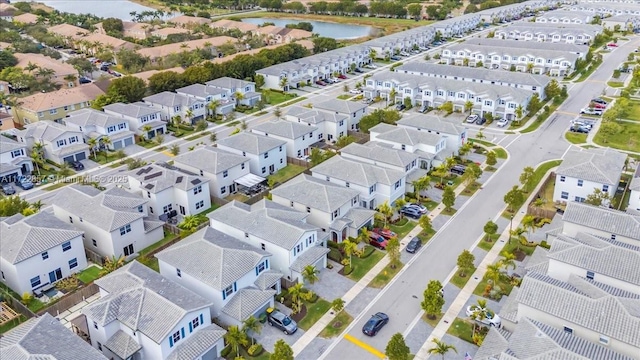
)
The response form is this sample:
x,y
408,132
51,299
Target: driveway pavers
x,y
331,284
270,335
460,345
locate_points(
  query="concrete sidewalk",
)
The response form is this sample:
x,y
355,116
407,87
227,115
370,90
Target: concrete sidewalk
x,y
466,292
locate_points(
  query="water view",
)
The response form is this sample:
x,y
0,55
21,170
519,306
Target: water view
x,y
120,9
327,29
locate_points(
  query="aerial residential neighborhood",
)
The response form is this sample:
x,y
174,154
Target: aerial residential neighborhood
x,y
317,181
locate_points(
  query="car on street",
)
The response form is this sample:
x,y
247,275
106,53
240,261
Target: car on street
x,y
342,76
481,121
371,66
8,189
358,70
490,318
84,80
367,101
375,324
377,240
599,101
77,165
423,209
591,111
503,122
281,321
404,53
400,107
411,212
24,182
414,245
335,80
612,45
472,118
394,58
424,109
386,233
355,91
321,83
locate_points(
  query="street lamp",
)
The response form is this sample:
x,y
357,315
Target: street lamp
x,y
510,228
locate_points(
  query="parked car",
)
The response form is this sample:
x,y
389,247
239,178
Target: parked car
x,y
281,321
328,81
490,318
404,53
400,107
481,121
342,76
394,58
335,80
358,70
24,182
503,122
411,212
367,101
355,91
579,129
84,80
591,111
612,45
423,209
386,233
371,66
77,165
414,245
458,169
8,189
321,83
472,118
424,109
599,101
377,240
598,105
375,324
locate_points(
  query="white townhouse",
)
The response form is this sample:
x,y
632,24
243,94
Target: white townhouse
x,y
299,137
457,25
14,159
115,221
518,80
582,171
607,8
601,221
429,92
222,168
354,111
237,278
241,91
99,125
402,41
623,22
565,17
430,147
143,315
169,189
634,188
266,154
171,105
454,134
280,230
333,208
209,94
37,251
331,126
143,119
61,144
579,49
547,32
45,337
376,184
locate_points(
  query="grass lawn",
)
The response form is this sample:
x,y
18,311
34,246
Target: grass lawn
x,y
632,112
429,204
448,212
362,266
383,278
243,353
298,99
471,189
542,117
403,230
538,174
198,136
432,322
575,138
513,245
461,281
587,73
151,262
56,186
485,143
237,196
286,173
147,144
314,312
462,329
89,274
345,96
627,139
337,325
102,159
167,237
487,245
275,98
504,285
425,236
500,153
615,84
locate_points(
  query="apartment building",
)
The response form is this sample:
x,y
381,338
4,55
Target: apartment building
x,y
549,32
622,22
243,92
99,125
55,105
14,159
565,17
266,154
60,143
144,119
455,135
298,137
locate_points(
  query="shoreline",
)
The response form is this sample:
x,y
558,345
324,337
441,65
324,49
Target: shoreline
x,y
151,4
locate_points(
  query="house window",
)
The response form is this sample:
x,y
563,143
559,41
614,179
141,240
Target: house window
x,y
263,246
95,325
225,174
590,275
568,330
335,214
579,199
140,208
580,182
397,184
281,160
197,189
45,255
613,236
35,281
175,337
73,263
242,166
66,246
246,235
564,195
308,209
562,178
167,208
605,188
199,204
228,291
266,155
404,147
178,272
94,242
125,229
223,190
264,169
128,250
604,340
261,267
195,322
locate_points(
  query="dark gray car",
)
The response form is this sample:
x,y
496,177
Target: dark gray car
x,y
414,245
8,189
282,322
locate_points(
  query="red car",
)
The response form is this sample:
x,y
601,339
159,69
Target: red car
x,y
377,240
342,76
321,83
598,106
386,233
612,45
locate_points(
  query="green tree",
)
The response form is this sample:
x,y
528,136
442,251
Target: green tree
x,y
468,106
64,170
130,60
421,184
259,80
165,81
393,249
441,348
385,211
322,44
448,198
471,174
235,338
447,107
201,125
608,129
465,149
465,262
598,197
251,324
11,205
534,104
379,116
131,88
281,351
414,10
514,198
277,112
432,299
519,112
175,149
310,274
508,260
425,223
396,348
491,158
490,229
7,59
113,26
349,248
527,174
112,264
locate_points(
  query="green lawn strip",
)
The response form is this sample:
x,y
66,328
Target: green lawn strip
x,y
425,236
148,144
383,278
429,204
197,136
462,329
265,355
485,143
286,173
89,274
345,96
337,325
106,157
432,322
362,266
587,73
500,153
232,123
314,312
632,111
56,186
503,284
461,281
487,245
448,212
151,262
275,97
615,84
538,174
260,113
471,189
575,138
514,245
404,229
294,101
625,139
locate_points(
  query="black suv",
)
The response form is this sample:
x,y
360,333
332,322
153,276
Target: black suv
x,y
77,165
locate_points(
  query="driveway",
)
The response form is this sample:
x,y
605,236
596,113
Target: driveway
x,y
331,284
269,335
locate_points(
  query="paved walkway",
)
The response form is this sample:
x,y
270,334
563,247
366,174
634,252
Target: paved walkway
x,y
65,317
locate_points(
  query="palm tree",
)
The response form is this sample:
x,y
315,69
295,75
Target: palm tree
x,y
398,205
508,260
441,348
468,106
239,97
372,54
45,73
392,96
519,112
283,83
111,264
528,224
64,170
385,211
297,293
37,205
363,236
493,273
349,248
31,67
421,184
277,112
188,116
251,324
37,159
213,137
310,274
213,106
236,338
146,129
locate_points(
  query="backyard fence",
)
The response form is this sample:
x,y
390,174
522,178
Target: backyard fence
x,y
542,211
299,162
16,305
218,201
70,300
94,257
361,138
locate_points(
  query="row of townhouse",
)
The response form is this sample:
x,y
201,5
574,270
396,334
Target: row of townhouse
x,y
539,58
425,91
604,9
519,80
547,32
515,11
59,143
565,17
623,22
64,75
333,118
15,159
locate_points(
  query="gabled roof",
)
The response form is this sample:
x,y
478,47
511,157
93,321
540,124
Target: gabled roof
x,y
143,300
108,210
24,237
170,99
514,51
210,159
88,117
60,98
405,136
197,343
45,130
155,179
8,144
431,123
227,259
277,224
286,129
315,193
135,110
340,106
246,302
45,338
380,154
251,143
535,45
603,166
313,116
604,219
228,83
199,90
356,172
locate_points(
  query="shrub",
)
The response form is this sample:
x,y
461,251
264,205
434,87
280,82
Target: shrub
x,y
226,351
335,255
26,298
254,350
332,245
68,284
185,127
347,270
368,250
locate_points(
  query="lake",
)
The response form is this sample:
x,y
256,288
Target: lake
x,y
105,8
326,29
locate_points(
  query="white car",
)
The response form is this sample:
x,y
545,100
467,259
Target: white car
x,y
490,318
335,80
591,111
404,53
503,122
371,66
472,118
355,91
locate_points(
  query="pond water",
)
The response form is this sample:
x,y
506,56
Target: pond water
x,y
120,9
326,29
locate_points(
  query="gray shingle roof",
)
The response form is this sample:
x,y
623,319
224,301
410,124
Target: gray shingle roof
x,y
210,159
509,51
171,99
45,338
635,181
200,91
143,300
340,106
228,83
227,258
251,143
533,45
431,123
380,154
580,302
88,117
45,130
603,166
285,129
24,237
267,279
108,210
357,172
7,144
246,302
155,179
122,344
309,257
604,219
358,216
135,110
313,116
277,224
315,193
406,136
195,345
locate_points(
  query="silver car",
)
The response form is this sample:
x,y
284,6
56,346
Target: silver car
x,y
282,322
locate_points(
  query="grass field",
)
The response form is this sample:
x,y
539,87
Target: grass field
x,y
314,313
627,139
615,84
461,329
575,138
362,266
461,281
383,278
632,112
275,97
89,274
286,173
337,325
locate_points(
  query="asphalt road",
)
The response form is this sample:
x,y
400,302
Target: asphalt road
x,y
401,299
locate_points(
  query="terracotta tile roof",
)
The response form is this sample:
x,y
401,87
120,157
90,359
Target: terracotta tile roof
x,y
60,98
145,75
231,24
164,50
184,20
61,69
164,32
67,30
109,41
26,18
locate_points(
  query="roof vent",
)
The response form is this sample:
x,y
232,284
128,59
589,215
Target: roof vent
x,y
179,179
